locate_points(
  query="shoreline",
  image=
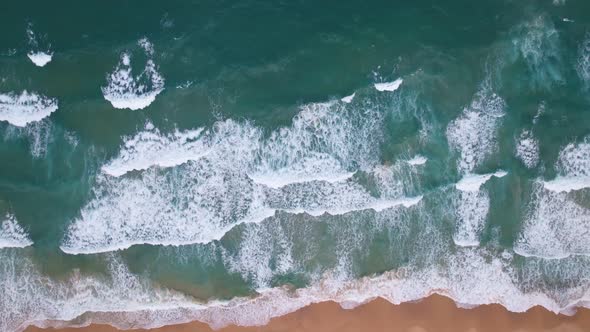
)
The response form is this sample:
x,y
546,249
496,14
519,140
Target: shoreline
x,y
435,313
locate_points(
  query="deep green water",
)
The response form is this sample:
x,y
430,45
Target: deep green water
x,y
244,187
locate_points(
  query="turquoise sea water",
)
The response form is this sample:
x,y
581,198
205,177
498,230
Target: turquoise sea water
x,y
234,161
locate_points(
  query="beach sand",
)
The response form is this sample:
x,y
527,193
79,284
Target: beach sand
x,y
434,314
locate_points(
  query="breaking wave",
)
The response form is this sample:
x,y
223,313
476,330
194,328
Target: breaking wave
x,y
26,107
194,186
38,54
124,90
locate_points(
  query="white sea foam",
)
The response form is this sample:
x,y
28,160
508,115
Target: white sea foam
x,y
194,202
266,249
12,235
319,167
417,160
396,181
556,224
257,249
208,181
377,205
132,213
471,276
348,99
312,150
326,142
471,212
317,198
40,59
124,90
473,134
24,108
284,178
567,184
573,168
574,159
389,86
527,149
472,182
29,297
472,206
151,148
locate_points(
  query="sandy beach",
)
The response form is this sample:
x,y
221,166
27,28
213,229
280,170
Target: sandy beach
x,y
434,314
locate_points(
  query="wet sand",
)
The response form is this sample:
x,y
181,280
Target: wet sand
x,y
434,314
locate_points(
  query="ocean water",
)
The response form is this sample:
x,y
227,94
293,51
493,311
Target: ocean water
x,y
230,162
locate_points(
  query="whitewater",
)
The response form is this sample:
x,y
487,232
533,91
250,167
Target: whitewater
x,y
162,164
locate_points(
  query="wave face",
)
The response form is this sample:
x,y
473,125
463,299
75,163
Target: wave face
x,y
384,158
